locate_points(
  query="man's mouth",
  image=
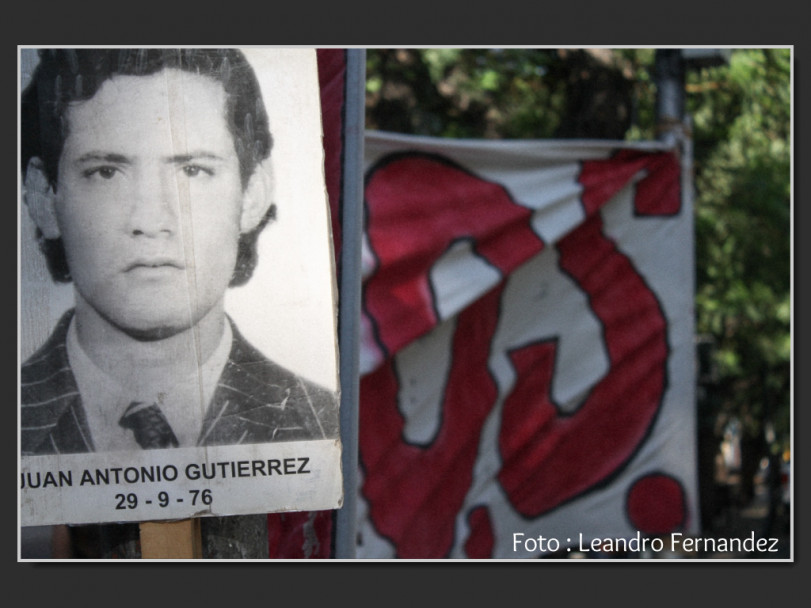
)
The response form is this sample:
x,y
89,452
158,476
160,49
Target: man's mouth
x,y
149,264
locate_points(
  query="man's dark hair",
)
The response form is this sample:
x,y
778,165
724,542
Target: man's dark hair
x,y
66,76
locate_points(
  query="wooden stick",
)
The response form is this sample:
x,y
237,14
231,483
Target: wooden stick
x,y
171,540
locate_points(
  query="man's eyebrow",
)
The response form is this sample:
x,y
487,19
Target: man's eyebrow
x,y
107,157
185,158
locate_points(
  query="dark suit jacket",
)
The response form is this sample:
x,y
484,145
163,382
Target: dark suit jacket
x,y
256,401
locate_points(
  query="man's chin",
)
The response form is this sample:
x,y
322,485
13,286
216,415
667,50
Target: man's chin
x,y
153,327
154,333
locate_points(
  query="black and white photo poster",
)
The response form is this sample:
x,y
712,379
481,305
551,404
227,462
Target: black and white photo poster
x,y
177,318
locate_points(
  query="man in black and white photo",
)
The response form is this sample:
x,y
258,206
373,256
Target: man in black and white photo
x,y
143,174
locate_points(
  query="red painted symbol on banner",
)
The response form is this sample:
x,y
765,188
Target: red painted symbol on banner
x,y
549,457
656,504
417,207
412,497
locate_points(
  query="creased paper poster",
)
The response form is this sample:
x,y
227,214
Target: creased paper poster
x,y
178,351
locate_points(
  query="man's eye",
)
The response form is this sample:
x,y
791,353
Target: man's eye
x,y
195,170
105,172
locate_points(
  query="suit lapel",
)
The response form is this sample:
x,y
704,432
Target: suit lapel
x,y
250,401
52,416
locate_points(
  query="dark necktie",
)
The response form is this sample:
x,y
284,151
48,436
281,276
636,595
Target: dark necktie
x,y
149,425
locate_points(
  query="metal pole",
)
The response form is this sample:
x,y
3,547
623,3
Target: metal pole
x,y
350,295
669,67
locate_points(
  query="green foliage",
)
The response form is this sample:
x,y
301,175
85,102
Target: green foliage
x,y
742,115
466,93
741,132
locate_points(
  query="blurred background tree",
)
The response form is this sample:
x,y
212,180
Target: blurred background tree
x,y
741,133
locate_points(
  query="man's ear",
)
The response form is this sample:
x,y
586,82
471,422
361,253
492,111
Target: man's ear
x,y
256,199
40,198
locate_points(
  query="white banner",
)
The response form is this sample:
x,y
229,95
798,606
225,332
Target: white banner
x,y
527,359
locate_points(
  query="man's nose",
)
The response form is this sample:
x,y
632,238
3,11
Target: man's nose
x,y
155,204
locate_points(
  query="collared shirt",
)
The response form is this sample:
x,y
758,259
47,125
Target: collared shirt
x,y
183,400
